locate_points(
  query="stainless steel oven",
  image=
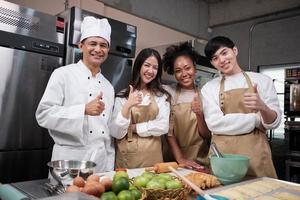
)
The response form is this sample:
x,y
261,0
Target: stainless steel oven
x,y
292,123
292,129
292,92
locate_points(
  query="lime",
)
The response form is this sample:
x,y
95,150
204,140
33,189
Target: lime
x,y
120,174
153,184
120,184
148,175
109,196
132,187
159,179
173,184
125,195
140,181
136,193
168,177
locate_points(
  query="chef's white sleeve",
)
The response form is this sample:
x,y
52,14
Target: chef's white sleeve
x,y
119,124
51,113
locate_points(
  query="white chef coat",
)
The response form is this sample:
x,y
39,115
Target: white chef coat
x,y
238,123
156,127
61,110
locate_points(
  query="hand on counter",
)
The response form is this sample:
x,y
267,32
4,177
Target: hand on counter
x,y
190,164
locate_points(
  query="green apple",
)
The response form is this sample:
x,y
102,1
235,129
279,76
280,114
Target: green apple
x,y
153,184
148,175
168,177
173,184
140,181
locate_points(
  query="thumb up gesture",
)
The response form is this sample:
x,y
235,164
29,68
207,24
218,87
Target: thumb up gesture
x,y
95,107
253,101
134,97
196,104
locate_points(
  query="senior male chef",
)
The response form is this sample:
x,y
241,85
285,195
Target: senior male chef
x,y
78,102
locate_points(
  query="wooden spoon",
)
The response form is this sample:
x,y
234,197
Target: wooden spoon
x,y
192,185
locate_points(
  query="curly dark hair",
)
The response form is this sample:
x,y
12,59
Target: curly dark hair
x,y
174,51
155,85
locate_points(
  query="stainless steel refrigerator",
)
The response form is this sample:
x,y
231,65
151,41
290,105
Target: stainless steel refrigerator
x,y
118,66
31,47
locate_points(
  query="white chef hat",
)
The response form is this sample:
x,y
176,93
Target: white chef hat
x,y
91,27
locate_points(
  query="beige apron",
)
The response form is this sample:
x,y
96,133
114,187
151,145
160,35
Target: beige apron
x,y
183,125
134,151
253,144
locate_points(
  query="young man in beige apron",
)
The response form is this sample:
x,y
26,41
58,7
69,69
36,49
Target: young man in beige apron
x,y
187,133
239,107
141,115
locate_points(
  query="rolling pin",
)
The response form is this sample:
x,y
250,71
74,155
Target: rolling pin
x,y
164,167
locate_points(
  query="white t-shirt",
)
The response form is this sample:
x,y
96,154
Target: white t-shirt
x,y
238,123
185,96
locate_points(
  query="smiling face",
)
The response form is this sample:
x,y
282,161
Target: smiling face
x,y
184,71
225,60
95,51
148,70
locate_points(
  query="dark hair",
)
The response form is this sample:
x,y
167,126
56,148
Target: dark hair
x,y
174,51
155,85
216,43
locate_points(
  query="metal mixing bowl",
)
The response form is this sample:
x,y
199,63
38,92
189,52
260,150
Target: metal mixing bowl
x,y
63,171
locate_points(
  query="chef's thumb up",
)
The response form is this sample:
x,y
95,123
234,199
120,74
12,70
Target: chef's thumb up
x,y
255,88
100,96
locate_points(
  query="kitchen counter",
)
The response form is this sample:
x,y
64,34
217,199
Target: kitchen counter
x,y
35,190
32,189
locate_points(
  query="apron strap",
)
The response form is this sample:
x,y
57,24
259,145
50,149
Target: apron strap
x,y
248,81
222,95
171,123
129,133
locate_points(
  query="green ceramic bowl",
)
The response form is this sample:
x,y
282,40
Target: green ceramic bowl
x,y
229,169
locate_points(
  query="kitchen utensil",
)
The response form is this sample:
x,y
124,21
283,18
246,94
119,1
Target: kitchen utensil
x,y
63,171
215,150
54,189
196,188
230,168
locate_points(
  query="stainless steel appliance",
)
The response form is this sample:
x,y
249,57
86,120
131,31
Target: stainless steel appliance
x,y
292,123
292,131
31,47
292,92
117,68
